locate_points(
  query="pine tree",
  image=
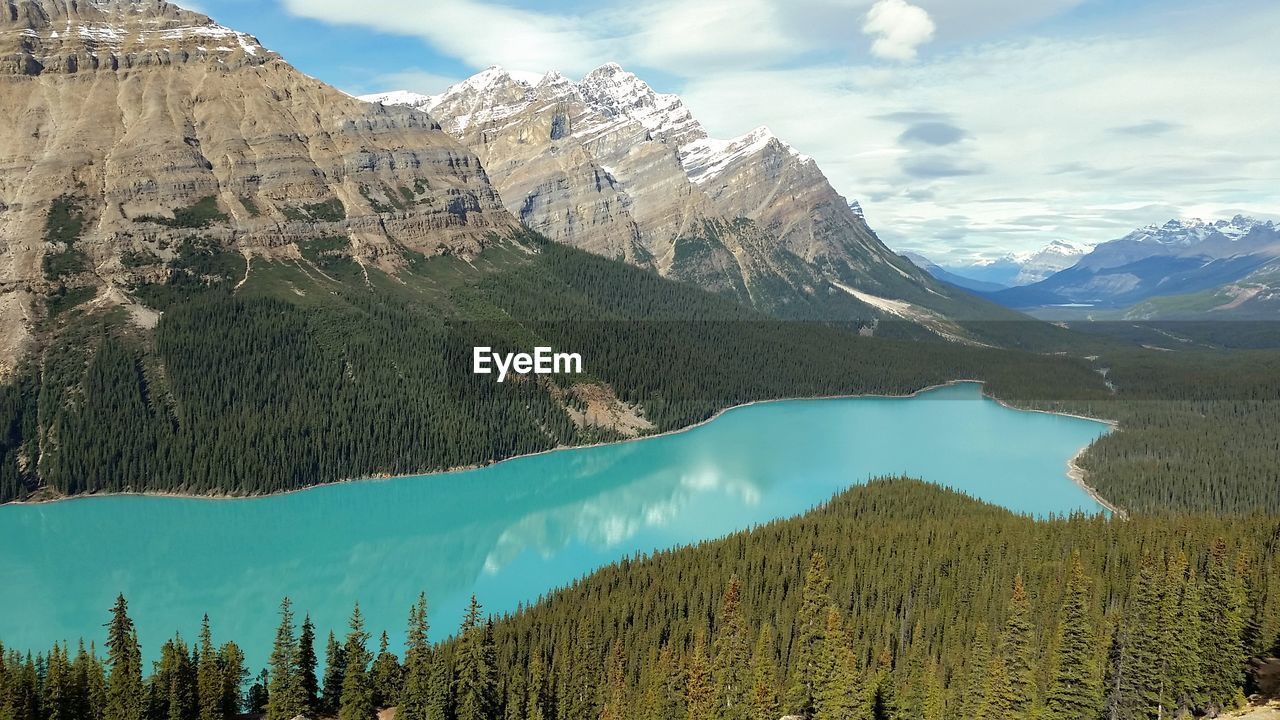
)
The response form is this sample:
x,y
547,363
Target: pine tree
x,y
441,705
415,699
388,676
1075,692
839,695
1222,652
976,672
731,655
357,687
126,699
806,650
882,691
58,690
663,693
1184,662
307,666
1016,648
234,676
699,693
335,665
285,700
615,700
477,682
535,707
934,706
998,696
764,703
209,684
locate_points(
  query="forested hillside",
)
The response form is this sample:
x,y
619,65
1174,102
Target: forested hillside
x,y
320,369
895,600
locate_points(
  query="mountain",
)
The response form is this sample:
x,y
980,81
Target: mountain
x,y
129,128
608,165
1011,269
951,278
1180,257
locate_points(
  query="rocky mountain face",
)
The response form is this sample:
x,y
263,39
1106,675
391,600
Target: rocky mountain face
x,y
1181,257
609,165
128,127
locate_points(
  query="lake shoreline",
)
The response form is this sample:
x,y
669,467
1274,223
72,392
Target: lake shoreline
x,y
1075,473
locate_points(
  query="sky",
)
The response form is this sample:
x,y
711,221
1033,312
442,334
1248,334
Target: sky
x,y
965,128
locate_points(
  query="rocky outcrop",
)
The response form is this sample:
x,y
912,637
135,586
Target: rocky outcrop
x,y
609,165
128,125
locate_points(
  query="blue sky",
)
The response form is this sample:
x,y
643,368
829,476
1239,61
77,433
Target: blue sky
x,y
965,129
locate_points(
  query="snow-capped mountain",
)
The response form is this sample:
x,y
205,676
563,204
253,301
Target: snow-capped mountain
x,y
609,165
1011,269
1178,257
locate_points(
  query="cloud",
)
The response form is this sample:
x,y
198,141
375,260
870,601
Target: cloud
x,y
478,33
415,80
899,27
1149,128
932,133
938,166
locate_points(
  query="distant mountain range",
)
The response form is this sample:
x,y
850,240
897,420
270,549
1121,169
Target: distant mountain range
x,y
1183,268
1010,270
609,165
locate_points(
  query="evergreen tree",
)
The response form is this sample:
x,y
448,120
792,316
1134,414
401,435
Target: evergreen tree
x,y
663,694
388,676
999,700
699,693
335,665
615,700
126,699
357,702
1016,649
477,681
441,705
732,655
535,707
1075,692
285,699
934,706
763,698
415,699
209,683
978,667
234,676
807,636
839,695
307,665
1222,652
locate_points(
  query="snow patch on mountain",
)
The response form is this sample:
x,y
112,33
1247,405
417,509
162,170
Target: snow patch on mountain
x,y
615,95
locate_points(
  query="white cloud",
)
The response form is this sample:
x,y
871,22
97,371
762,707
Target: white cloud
x,y
414,80
899,28
478,33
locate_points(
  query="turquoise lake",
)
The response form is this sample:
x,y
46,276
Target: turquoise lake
x,y
508,532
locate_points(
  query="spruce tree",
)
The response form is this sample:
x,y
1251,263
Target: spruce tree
x,y
1017,649
388,676
731,655
335,665
763,698
839,694
806,650
477,682
307,662
615,689
1075,691
535,707
1222,651
357,686
663,693
998,696
416,696
976,672
285,700
699,694
234,676
209,685
126,699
